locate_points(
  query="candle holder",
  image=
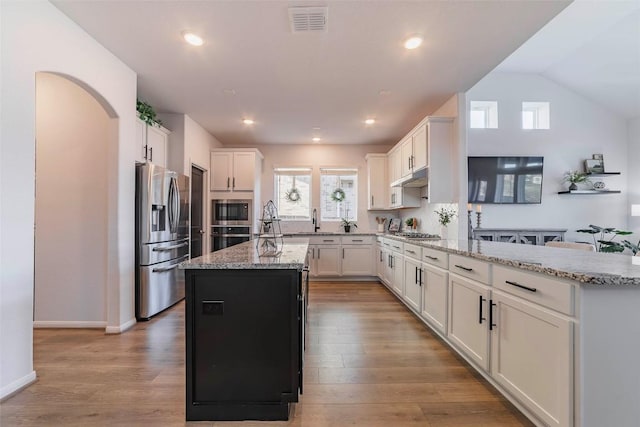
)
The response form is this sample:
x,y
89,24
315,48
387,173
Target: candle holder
x,y
469,226
478,219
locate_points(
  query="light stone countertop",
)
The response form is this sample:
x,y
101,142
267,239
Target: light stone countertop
x,y
246,256
584,267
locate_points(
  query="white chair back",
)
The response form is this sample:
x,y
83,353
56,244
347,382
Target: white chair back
x,y
572,245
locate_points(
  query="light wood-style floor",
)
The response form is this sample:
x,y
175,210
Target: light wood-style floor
x,y
369,362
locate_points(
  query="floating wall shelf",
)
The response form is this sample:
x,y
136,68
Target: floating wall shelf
x,y
589,192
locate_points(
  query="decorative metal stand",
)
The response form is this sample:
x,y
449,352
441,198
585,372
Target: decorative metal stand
x,y
270,241
469,226
478,215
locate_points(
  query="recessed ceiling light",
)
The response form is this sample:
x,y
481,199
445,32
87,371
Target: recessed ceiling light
x,y
315,139
248,121
370,121
316,128
413,41
229,91
192,39
384,92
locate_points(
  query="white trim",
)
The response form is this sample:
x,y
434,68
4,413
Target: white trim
x,y
17,386
120,329
68,324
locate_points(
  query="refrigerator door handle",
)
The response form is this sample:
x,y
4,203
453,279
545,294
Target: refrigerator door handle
x,y
174,205
170,267
169,248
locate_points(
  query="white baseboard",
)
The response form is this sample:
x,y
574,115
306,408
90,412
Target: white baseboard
x,y
17,386
120,329
68,324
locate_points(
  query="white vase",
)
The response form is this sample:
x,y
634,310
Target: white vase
x,y
444,232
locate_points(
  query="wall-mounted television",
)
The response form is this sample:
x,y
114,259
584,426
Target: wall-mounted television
x,y
505,180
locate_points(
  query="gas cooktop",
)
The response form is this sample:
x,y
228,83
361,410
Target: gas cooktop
x,y
423,236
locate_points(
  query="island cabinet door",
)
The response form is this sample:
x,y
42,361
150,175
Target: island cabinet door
x,y
243,343
531,357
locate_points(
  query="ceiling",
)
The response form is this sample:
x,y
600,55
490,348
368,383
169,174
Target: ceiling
x,y
299,85
593,48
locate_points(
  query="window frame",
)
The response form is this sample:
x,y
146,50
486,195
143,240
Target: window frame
x,y
490,110
348,211
295,171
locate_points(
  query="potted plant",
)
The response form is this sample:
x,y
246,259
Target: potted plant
x,y
575,178
348,224
445,216
608,245
147,114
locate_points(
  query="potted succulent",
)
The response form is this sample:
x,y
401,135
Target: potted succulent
x,y
575,178
348,224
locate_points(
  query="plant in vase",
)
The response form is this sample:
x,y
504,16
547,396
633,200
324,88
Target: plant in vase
x,y
575,178
348,224
603,244
445,216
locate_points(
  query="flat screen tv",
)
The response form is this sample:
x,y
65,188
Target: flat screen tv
x,y
505,180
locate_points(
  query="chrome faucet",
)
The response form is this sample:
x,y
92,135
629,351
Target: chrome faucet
x,y
314,220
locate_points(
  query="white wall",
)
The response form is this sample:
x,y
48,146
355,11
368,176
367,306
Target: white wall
x,y
579,128
317,156
71,205
633,183
36,37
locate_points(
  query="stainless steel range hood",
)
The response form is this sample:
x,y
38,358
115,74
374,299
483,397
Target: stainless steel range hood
x,y
415,180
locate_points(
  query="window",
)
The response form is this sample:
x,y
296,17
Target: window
x,y
331,182
292,193
483,115
535,115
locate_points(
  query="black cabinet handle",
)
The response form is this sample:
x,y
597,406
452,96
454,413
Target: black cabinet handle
x,y
228,181
234,182
480,316
491,324
342,253
380,256
431,257
416,275
146,152
411,252
357,240
464,268
420,280
518,285
151,154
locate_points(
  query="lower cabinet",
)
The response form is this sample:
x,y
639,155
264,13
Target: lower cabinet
x,y
396,272
412,292
327,261
435,282
357,260
531,357
469,317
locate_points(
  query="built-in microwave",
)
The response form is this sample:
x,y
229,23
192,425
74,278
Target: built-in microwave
x,y
231,212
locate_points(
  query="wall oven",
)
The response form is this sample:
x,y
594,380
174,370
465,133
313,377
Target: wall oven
x,y
231,223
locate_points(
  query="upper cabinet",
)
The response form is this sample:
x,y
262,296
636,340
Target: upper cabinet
x,y
235,170
152,143
413,152
425,158
377,184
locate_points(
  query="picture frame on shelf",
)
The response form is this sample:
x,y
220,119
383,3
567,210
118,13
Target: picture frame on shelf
x,y
594,166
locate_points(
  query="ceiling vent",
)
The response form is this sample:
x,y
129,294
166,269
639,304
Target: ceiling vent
x,y
308,19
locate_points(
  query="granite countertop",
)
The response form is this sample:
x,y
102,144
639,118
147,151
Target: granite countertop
x,y
328,233
581,266
246,256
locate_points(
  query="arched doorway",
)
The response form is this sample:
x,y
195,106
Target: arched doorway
x,y
73,133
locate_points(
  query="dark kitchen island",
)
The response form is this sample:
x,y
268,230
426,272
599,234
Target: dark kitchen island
x,y
245,317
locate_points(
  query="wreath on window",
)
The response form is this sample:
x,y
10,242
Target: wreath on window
x,y
338,195
293,195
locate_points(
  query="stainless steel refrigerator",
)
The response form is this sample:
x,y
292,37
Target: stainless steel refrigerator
x,y
162,238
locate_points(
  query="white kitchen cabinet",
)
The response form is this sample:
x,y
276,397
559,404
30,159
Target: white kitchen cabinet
x,y
152,142
414,151
406,156
399,197
328,259
440,160
435,285
531,357
235,171
357,260
396,272
377,181
412,292
469,314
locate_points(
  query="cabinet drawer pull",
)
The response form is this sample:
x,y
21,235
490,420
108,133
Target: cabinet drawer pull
x,y
397,247
328,241
357,240
151,154
228,182
234,182
431,257
518,285
491,324
481,317
464,268
410,251
420,277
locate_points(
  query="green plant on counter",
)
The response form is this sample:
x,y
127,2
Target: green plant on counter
x,y
633,247
445,215
575,177
603,244
147,114
347,223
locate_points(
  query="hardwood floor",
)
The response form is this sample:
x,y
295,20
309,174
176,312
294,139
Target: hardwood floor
x,y
369,362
